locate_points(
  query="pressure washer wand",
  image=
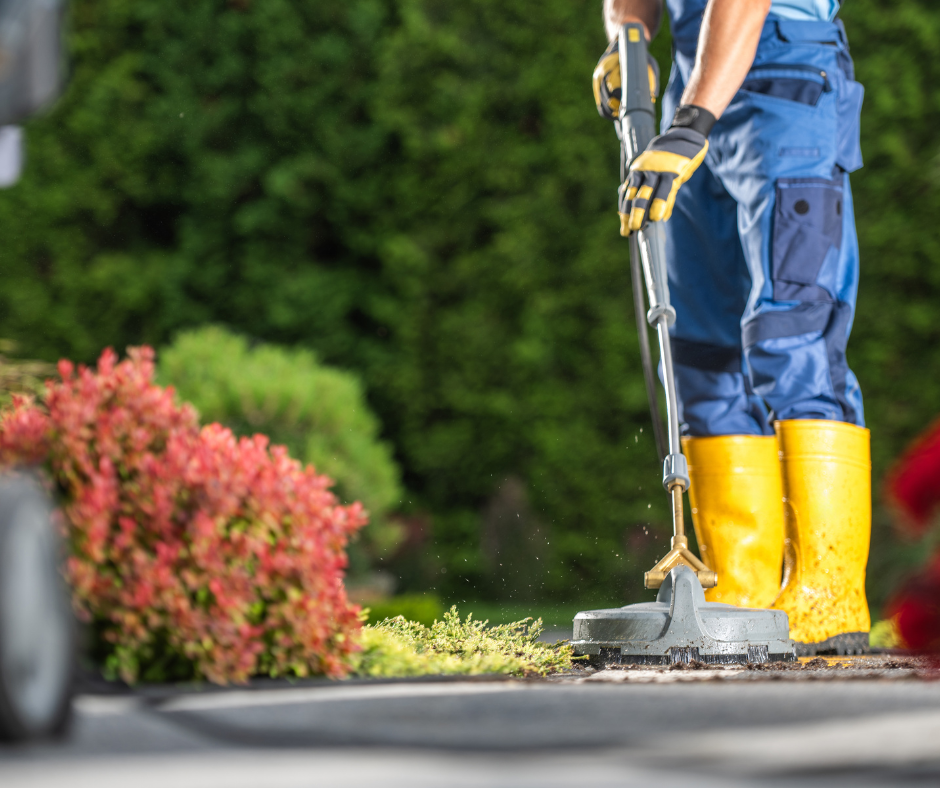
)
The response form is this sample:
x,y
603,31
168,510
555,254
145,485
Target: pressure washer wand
x,y
637,126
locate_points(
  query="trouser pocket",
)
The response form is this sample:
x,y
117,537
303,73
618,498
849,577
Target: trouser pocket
x,y
799,83
807,229
848,144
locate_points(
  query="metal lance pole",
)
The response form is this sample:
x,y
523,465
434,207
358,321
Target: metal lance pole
x,y
637,126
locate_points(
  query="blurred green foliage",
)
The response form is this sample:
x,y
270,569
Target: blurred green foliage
x,y
423,608
21,376
317,412
885,634
421,191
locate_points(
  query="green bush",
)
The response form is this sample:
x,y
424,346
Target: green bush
x,y
318,412
421,191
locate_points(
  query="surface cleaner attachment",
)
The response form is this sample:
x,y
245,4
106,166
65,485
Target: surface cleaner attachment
x,y
680,626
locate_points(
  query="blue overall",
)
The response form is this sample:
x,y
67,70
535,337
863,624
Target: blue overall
x,y
763,256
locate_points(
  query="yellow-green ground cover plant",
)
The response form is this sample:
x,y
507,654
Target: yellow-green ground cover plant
x,y
451,645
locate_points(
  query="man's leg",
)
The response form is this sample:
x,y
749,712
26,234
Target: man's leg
x,y
825,460
708,286
779,157
732,454
795,331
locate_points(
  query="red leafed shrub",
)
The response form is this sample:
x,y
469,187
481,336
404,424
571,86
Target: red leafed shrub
x,y
193,553
913,483
916,610
913,487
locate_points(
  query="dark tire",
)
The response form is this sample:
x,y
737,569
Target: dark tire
x,y
37,632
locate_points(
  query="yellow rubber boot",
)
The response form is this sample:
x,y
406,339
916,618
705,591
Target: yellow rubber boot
x,y
737,511
827,510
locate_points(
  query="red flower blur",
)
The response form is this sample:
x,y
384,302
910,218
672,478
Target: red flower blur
x,y
916,610
225,549
913,488
913,483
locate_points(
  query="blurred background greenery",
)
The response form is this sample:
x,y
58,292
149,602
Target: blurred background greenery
x,y
408,206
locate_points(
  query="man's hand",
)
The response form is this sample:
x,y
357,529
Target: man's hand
x,y
607,87
655,176
607,92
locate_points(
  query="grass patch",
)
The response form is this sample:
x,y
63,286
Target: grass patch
x,y
456,646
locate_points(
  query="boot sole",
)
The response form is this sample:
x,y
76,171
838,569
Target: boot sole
x,y
844,645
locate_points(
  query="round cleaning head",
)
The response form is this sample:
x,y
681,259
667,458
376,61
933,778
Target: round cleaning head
x,y
680,626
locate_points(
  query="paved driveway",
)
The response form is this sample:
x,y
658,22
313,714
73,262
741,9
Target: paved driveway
x,y
616,728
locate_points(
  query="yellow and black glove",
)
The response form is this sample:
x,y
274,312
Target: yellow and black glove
x,y
649,193
607,82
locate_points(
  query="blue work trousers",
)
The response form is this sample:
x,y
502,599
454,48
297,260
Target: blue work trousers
x,y
762,250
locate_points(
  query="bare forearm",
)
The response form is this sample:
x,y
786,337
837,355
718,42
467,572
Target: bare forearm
x,y
619,12
726,46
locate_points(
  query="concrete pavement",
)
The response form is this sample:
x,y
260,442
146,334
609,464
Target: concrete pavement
x,y
617,728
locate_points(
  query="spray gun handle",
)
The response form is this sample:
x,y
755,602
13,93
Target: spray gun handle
x,y
637,117
637,128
